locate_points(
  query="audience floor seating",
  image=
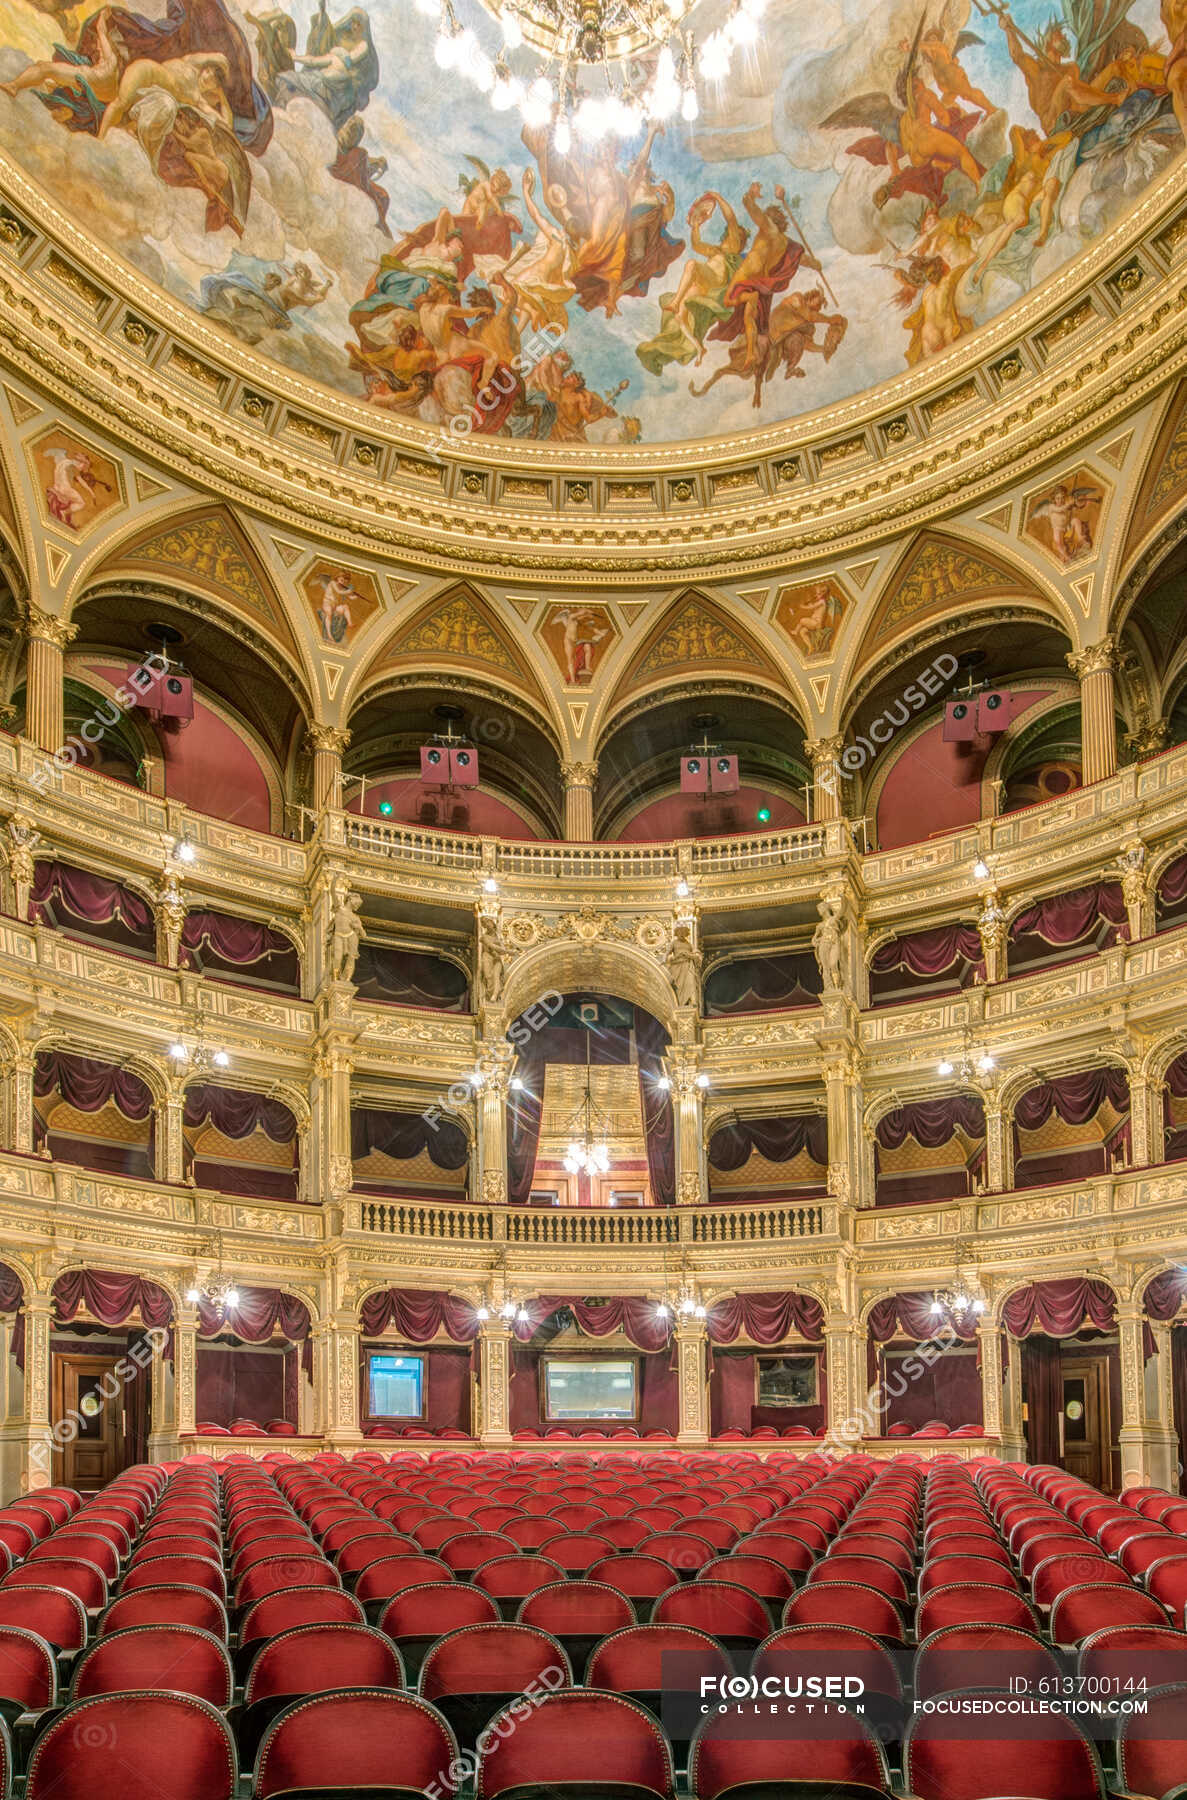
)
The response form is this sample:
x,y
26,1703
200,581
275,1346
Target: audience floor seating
x,y
387,1626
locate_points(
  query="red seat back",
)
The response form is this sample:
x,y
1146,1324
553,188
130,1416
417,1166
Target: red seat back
x,y
81,1578
585,1608
975,1755
1123,1657
371,1739
175,1571
764,1577
490,1659
514,1577
280,1572
298,1606
388,1574
846,1603
55,1614
821,1744
311,1659
177,1657
976,1603
166,1605
830,1650
435,1608
643,1659
28,1669
1080,1611
870,1571
170,1747
957,1656
721,1608
552,1744
1152,1754
639,1577
1055,1574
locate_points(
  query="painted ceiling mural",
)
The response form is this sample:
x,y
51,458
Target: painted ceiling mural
x,y
880,178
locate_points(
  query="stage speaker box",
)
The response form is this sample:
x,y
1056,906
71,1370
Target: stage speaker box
x,y
960,721
694,774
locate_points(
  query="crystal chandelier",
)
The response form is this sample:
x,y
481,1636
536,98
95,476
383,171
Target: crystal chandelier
x,y
588,1152
685,1305
645,54
218,1291
964,1298
971,1066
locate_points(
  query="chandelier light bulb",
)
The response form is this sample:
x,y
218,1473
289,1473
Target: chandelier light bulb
x,y
221,1060
562,136
512,29
445,50
663,1311
664,1083
490,885
184,851
702,1080
516,1084
743,27
715,57
590,119
477,1079
698,1311
482,1314
981,869
178,1052
232,1296
944,1067
986,1063
537,111
689,106
508,1309
429,8
682,890
521,1317
978,1306
193,1295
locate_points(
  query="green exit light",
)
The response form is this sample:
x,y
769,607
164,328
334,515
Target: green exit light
x,y
764,815
385,808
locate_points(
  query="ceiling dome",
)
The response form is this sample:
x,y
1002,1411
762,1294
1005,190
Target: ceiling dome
x,y
869,185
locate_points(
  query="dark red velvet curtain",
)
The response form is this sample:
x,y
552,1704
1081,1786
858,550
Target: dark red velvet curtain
x,y
767,1318
1060,1308
777,1140
1179,1396
419,1315
258,1315
12,1298
110,1298
1176,1077
763,984
237,1112
94,898
1042,1386
1172,885
525,1107
1066,918
910,1315
232,939
932,1122
638,1319
930,952
88,1085
659,1125
1076,1098
1165,1294
403,1135
410,979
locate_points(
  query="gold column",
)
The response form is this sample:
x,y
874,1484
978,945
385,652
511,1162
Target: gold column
x,y
492,1126
39,1319
185,1372
494,1345
326,744
1098,728
579,779
691,1186
1013,1423
693,1379
170,1142
1161,1435
48,637
847,1421
340,1366
990,1339
825,757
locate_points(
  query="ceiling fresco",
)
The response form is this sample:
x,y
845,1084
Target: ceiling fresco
x,y
874,181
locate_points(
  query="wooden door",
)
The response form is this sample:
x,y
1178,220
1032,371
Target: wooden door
x,y
1085,1425
89,1393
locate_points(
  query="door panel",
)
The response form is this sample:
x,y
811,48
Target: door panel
x,y
1085,1425
89,1393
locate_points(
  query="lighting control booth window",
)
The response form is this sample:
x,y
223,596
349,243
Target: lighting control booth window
x,y
395,1385
589,1387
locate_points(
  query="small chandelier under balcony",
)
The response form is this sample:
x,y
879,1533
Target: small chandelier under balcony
x,y
971,1067
218,1291
685,1304
964,1299
197,1053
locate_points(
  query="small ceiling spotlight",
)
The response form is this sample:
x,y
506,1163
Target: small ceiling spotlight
x,y
183,851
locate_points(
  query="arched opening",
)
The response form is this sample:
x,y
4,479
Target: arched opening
x,y
239,1141
94,1114
1072,1126
418,1364
254,1366
110,1337
1071,1375
930,1150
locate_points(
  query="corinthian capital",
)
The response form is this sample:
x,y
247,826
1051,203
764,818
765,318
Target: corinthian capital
x,y
327,737
48,627
579,774
823,752
1094,658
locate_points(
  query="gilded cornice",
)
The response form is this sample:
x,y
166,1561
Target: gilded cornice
x,y
1092,343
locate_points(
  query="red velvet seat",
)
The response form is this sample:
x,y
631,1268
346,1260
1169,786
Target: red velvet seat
x,y
761,1575
974,1603
683,1552
81,1546
292,1607
898,1551
966,1543
550,1749
624,1534
734,1615
1063,1542
28,1672
870,1571
388,1575
510,1579
416,1617
1152,1746
151,1746
650,1662
825,1746
950,1571
313,1659
1124,1657
179,1658
176,1571
1055,1574
1167,1581
791,1553
473,1673
577,1614
166,1605
833,1650
846,1603
641,1578
958,1656
353,1742
1079,1611
280,1572
80,1578
371,1547
974,1756
1140,1553
18,1536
